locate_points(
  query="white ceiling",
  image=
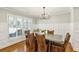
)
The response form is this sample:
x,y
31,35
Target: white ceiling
x,y
37,11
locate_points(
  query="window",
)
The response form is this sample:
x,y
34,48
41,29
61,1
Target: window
x,y
15,26
30,24
18,25
27,24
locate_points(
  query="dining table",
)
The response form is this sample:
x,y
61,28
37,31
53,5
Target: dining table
x,y
54,38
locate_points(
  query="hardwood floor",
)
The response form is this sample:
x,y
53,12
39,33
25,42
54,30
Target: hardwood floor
x,y
20,47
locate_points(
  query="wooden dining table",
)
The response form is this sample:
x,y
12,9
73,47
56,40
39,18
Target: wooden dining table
x,y
54,38
50,37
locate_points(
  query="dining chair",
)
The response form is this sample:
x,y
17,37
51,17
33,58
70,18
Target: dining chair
x,y
28,49
50,32
61,46
42,47
30,43
27,33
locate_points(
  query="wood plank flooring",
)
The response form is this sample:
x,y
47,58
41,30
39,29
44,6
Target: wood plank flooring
x,y
20,47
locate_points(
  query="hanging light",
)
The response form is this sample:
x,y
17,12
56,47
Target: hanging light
x,y
44,15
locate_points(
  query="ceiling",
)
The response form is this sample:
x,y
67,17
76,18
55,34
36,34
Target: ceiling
x,y
35,12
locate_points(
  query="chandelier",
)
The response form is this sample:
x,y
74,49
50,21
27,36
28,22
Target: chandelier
x,y
44,15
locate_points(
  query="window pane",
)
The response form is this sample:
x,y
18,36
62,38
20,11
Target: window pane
x,y
19,25
19,22
12,21
12,26
25,24
19,32
12,32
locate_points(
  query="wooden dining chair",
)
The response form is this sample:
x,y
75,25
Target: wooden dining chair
x,y
42,47
28,49
50,32
27,33
30,43
60,46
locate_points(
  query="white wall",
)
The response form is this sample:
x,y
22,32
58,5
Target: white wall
x,y
60,23
3,25
75,39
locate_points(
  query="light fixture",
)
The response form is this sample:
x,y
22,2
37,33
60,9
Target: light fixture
x,y
44,15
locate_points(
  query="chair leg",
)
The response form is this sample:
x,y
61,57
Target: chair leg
x,y
57,49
